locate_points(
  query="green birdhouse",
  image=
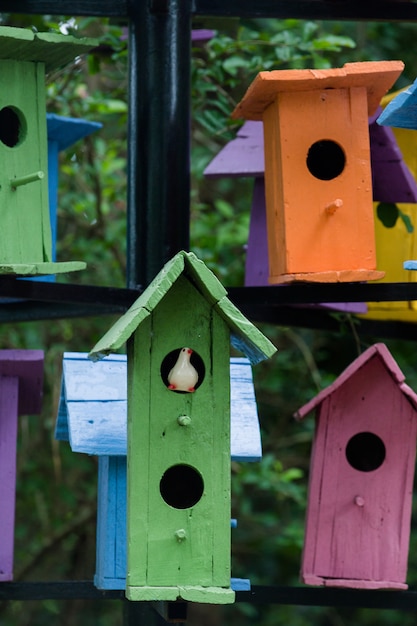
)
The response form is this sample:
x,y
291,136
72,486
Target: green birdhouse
x,y
178,337
25,231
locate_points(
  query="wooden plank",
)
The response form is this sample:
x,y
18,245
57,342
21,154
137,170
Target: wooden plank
x,y
27,367
94,401
249,339
376,76
9,392
401,112
377,350
51,49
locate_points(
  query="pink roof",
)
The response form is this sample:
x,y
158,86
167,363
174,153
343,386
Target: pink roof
x,y
378,350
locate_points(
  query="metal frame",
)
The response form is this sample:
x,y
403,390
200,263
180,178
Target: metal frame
x,y
158,223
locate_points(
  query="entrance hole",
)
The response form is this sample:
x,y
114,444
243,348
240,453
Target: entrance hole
x,y
181,486
365,452
326,159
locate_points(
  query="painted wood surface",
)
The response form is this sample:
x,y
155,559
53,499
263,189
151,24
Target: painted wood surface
x,y
51,49
243,334
178,473
8,437
401,112
375,76
63,132
92,412
359,505
26,241
93,418
334,239
111,553
179,550
396,245
392,180
21,377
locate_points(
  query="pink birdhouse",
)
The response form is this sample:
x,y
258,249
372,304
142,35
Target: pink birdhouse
x,y
361,477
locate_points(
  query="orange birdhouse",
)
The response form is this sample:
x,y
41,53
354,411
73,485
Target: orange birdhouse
x,y
317,168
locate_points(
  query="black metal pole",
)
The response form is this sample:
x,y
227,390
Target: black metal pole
x,y
159,135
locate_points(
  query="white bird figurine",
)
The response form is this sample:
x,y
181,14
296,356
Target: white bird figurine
x,y
183,376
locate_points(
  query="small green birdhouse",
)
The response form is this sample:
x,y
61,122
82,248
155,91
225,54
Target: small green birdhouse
x,y
25,231
178,502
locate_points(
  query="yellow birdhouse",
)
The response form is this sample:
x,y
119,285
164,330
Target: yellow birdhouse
x,y
317,168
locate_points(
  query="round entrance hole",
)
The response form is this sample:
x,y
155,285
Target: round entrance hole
x,y
365,452
12,127
326,159
171,359
181,486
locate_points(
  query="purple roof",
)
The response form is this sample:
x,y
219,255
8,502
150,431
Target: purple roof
x,y
392,180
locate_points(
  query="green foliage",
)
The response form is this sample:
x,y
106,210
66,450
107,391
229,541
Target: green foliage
x,y
388,213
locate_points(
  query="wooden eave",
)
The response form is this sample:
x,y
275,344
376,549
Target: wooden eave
x,y
401,112
244,335
378,350
52,49
376,76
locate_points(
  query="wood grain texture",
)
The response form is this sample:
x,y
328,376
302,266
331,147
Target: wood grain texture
x,y
358,520
92,413
92,416
8,434
244,334
52,50
21,378
302,241
401,112
319,224
375,76
156,441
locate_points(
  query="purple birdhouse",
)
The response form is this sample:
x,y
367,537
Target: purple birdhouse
x,y
361,477
21,380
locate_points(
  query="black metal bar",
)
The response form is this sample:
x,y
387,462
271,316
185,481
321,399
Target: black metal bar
x,y
326,596
56,590
304,9
95,8
159,135
259,594
117,298
372,10
244,297
310,293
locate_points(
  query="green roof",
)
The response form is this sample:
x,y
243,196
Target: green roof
x,y
53,49
246,337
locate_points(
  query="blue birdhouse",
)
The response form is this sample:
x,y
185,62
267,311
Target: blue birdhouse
x,y
92,416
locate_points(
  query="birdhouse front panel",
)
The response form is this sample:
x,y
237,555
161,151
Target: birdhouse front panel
x,y
24,206
319,142
179,454
361,479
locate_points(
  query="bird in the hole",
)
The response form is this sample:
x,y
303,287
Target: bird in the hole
x,y
183,376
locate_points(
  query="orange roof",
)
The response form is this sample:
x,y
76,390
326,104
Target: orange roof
x,y
376,76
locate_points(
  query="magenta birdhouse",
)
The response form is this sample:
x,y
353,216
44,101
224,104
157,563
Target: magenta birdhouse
x,y
21,378
361,477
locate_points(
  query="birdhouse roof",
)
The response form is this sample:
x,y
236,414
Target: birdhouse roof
x,y
52,49
92,413
242,156
376,76
244,335
67,130
27,366
401,112
379,351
